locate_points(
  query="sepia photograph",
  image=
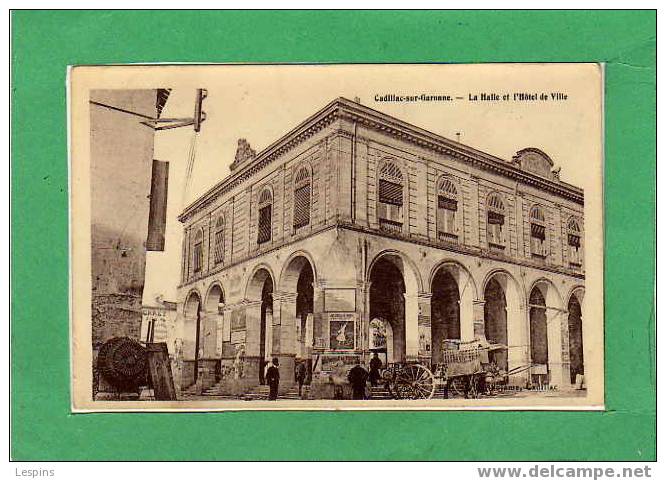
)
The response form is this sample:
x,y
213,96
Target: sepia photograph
x,y
351,236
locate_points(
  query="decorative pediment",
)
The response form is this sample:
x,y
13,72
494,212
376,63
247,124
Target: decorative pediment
x,y
536,162
244,154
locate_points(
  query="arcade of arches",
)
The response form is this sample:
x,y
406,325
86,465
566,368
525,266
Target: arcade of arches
x,y
284,317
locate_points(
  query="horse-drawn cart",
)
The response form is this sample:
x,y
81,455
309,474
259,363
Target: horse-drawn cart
x,y
463,370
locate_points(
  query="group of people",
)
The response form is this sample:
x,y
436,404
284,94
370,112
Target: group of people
x,y
272,377
358,377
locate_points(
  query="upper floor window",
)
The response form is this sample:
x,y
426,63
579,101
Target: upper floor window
x,y
218,254
389,204
573,242
302,188
538,232
495,218
197,252
447,210
265,216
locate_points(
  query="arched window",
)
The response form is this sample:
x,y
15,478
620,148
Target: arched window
x,y
447,210
265,216
302,198
197,251
389,203
573,242
538,232
218,255
495,224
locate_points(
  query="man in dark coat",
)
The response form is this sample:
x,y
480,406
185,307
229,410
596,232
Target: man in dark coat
x,y
273,380
375,366
301,371
357,378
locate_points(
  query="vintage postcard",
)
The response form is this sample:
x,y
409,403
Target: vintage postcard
x,y
337,237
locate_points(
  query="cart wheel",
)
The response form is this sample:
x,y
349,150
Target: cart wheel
x,y
457,386
413,382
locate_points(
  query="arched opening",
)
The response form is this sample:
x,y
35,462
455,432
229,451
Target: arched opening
x,y
393,298
380,340
538,327
212,325
192,339
547,335
445,311
495,321
304,310
260,290
298,277
575,338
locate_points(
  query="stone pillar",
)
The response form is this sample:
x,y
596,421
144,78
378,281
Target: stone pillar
x,y
411,327
476,329
424,326
517,322
208,358
473,213
363,314
566,359
284,316
420,195
554,322
252,328
319,329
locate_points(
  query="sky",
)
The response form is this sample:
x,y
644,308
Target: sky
x,y
262,103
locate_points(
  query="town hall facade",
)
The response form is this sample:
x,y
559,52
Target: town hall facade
x,y
358,233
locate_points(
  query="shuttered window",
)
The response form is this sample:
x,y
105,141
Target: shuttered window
x,y
197,252
446,218
302,206
390,192
495,224
218,255
495,236
264,234
446,203
389,199
302,198
538,232
573,241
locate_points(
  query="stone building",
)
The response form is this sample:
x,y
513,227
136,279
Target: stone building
x,y
357,232
121,161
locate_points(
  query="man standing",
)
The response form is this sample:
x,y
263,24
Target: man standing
x,y
300,376
357,378
375,366
273,380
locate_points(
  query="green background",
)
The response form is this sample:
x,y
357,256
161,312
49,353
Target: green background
x,y
44,43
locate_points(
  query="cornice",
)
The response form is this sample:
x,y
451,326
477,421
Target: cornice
x,y
342,108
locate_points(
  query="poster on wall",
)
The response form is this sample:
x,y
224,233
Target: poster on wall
x,y
339,300
342,330
237,319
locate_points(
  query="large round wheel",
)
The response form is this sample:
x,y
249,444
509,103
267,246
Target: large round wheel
x,y
123,362
413,382
457,386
